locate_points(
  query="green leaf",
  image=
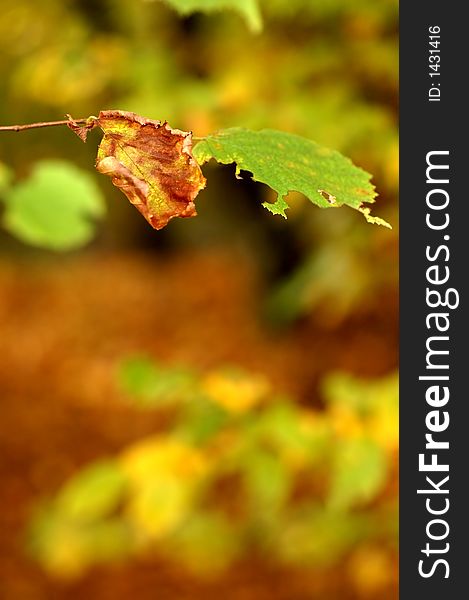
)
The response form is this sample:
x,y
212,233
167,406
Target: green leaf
x,y
289,429
364,396
139,377
5,178
207,542
248,9
313,535
54,207
156,509
67,548
359,472
93,492
267,481
152,385
202,420
288,162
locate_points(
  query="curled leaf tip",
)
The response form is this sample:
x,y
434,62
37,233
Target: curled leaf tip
x,y
366,212
278,207
82,128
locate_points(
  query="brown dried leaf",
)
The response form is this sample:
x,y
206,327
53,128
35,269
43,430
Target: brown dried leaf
x,y
150,162
80,128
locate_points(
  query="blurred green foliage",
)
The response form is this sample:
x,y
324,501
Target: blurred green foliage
x,y
5,178
263,474
249,9
239,470
326,70
54,207
150,385
341,275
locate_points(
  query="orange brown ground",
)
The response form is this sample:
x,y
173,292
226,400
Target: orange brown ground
x,y
65,323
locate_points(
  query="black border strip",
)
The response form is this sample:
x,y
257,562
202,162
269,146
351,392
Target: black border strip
x,y
429,126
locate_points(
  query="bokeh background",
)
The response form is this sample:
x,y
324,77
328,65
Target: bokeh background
x,y
209,411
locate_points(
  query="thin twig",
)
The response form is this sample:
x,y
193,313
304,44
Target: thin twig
x,y
38,125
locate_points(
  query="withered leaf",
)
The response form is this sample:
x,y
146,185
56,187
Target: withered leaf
x,y
82,126
149,161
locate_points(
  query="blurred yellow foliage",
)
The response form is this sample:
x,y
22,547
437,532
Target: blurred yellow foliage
x,y
371,570
359,408
346,422
161,457
163,474
158,507
240,472
61,77
237,393
169,489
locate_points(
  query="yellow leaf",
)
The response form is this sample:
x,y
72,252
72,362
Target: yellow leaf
x,y
161,457
236,393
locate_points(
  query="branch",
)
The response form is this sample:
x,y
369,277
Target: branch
x,y
42,124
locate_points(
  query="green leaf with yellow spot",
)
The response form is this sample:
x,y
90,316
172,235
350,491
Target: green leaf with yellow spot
x,y
287,163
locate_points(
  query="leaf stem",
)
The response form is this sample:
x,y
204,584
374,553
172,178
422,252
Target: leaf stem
x,y
38,125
